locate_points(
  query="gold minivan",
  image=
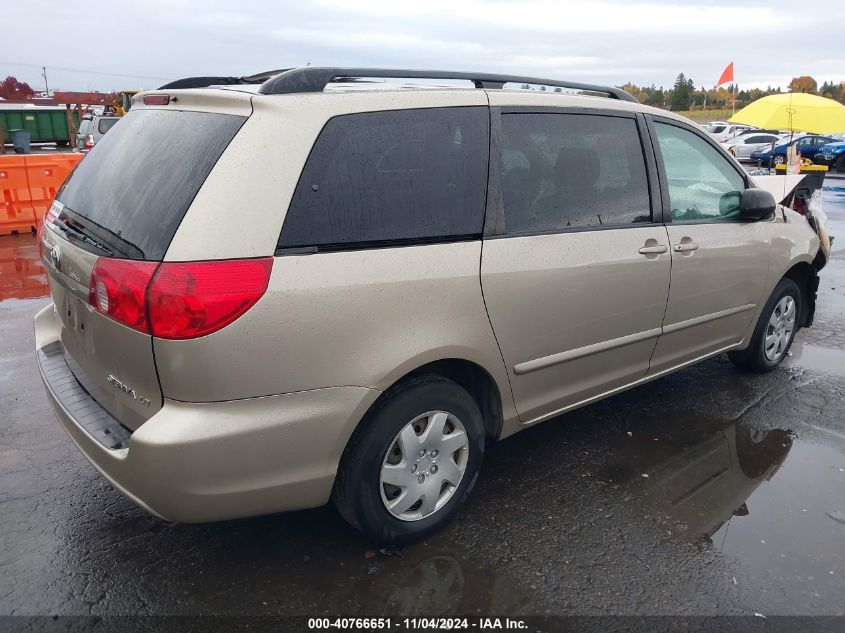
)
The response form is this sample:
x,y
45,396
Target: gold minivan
x,y
290,289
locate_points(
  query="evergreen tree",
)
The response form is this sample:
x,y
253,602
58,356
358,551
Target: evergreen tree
x,y
681,93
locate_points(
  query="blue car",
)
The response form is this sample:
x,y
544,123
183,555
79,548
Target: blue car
x,y
808,146
832,155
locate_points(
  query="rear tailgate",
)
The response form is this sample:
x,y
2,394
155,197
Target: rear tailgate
x,y
112,362
124,202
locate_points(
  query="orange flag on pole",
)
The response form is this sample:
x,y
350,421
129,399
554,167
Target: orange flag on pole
x,y
727,75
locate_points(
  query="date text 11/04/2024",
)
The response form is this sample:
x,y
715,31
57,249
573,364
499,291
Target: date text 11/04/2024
x,y
417,623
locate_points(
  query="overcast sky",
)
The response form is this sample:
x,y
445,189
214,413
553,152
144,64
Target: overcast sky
x,y
144,43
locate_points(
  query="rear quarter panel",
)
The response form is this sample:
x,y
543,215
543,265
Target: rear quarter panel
x,y
361,318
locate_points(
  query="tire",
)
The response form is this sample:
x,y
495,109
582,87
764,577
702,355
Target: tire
x,y
839,165
389,444
778,159
773,328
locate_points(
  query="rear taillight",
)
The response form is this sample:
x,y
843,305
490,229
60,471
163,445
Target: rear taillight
x,y
178,300
89,142
118,289
49,218
192,299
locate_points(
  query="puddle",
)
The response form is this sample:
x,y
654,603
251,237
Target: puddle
x,y
773,502
700,480
440,582
22,275
791,531
824,360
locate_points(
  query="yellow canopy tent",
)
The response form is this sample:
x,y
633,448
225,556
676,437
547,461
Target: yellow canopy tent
x,y
794,111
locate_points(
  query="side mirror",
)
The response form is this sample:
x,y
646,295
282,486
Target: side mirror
x,y
756,204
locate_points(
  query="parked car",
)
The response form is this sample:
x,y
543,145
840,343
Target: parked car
x,y
92,129
832,155
728,132
808,146
709,127
743,146
754,130
344,335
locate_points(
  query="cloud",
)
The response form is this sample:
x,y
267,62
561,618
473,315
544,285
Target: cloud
x,y
609,41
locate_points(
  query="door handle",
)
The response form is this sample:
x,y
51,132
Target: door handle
x,y
686,246
653,250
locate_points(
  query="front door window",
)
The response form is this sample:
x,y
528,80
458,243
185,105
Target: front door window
x,y
703,185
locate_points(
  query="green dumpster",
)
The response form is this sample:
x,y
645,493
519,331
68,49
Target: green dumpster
x,y
44,124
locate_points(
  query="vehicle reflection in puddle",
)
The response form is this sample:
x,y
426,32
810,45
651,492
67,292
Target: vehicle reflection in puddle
x,y
699,485
22,275
444,583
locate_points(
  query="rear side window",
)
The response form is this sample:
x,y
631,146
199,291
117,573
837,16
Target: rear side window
x,y
85,126
404,176
134,187
563,171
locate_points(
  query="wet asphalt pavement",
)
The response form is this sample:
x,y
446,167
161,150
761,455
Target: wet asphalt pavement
x,y
706,492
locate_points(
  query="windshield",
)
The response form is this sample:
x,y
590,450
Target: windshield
x,y
133,189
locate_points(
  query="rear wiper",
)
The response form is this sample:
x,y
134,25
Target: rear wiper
x,y
79,235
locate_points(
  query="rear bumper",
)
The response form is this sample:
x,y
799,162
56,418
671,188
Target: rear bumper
x,y
213,461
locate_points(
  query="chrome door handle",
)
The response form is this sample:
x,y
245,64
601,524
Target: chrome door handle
x,y
686,246
653,250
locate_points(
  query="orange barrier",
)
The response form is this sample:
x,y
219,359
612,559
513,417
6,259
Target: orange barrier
x,y
28,184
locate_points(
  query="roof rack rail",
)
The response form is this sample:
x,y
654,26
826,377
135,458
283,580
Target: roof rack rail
x,y
205,82
312,79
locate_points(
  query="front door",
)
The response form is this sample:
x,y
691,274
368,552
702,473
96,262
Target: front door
x,y
576,274
719,262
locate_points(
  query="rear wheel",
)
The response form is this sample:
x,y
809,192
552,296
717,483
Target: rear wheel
x,y
412,462
774,332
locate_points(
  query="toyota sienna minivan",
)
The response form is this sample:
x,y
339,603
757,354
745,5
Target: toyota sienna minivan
x,y
279,291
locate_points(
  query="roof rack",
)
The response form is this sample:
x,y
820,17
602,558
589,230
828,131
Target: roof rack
x,y
311,79
205,82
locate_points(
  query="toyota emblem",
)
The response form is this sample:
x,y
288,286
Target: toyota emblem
x,y
56,257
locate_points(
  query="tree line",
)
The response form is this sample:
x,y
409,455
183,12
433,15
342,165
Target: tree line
x,y
683,95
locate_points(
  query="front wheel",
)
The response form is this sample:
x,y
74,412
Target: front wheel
x,y
412,462
774,332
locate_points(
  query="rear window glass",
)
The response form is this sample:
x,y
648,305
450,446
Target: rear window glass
x,y
139,180
404,175
105,125
85,126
